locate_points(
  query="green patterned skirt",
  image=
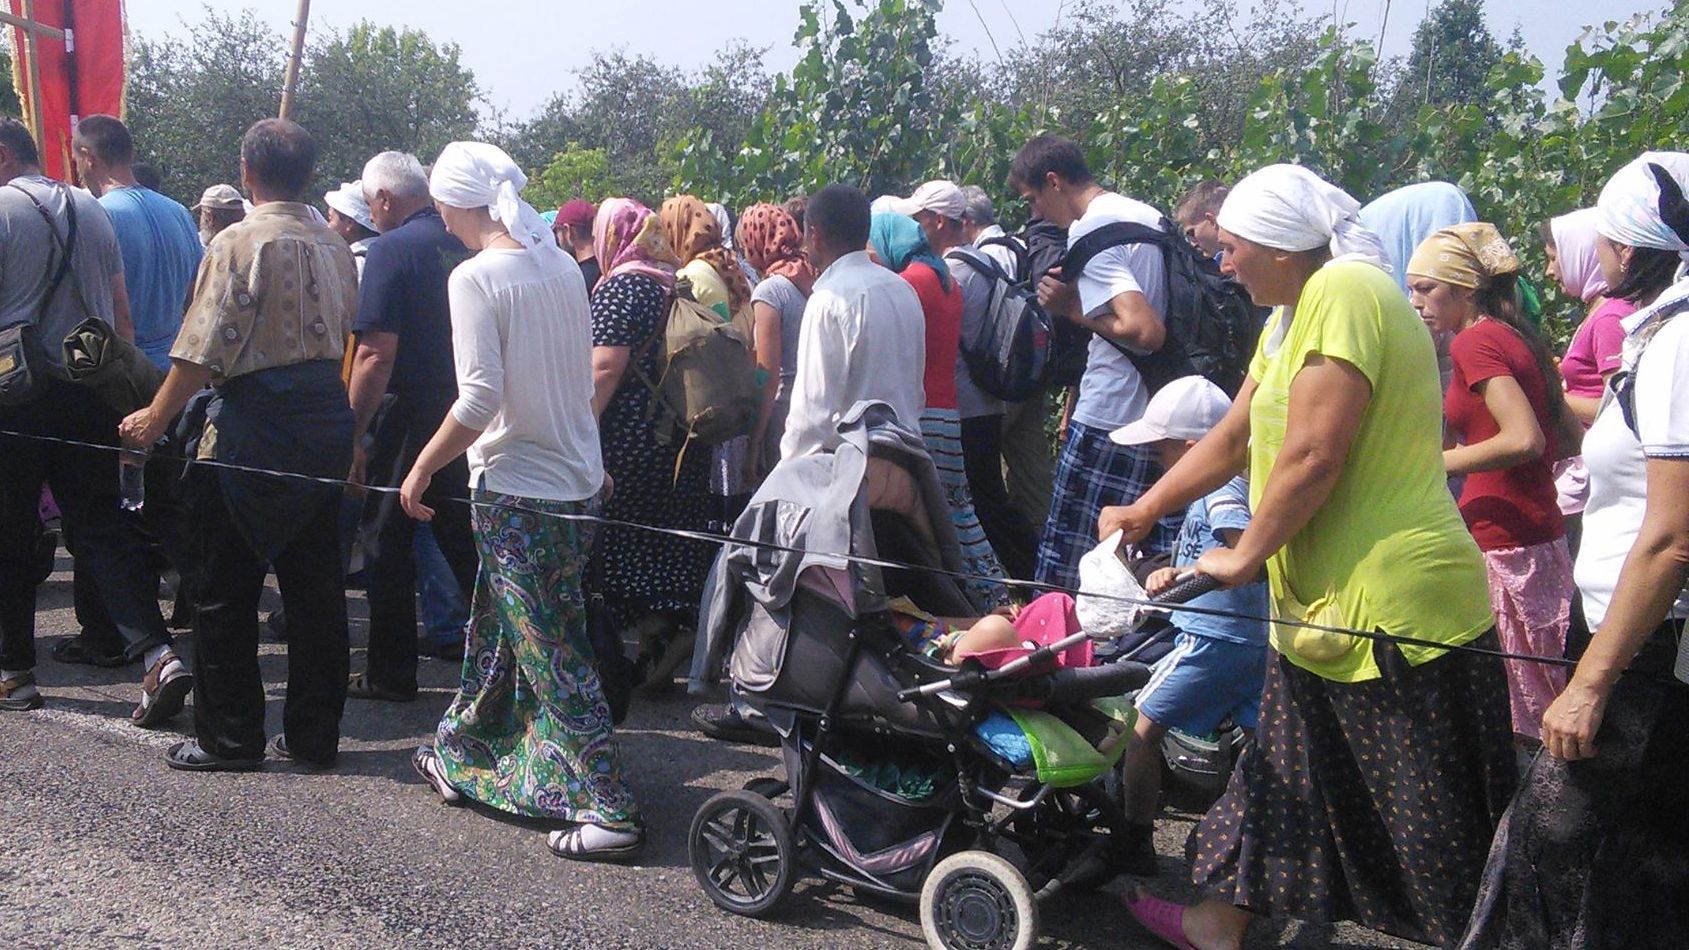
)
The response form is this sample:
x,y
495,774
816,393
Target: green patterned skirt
x,y
529,729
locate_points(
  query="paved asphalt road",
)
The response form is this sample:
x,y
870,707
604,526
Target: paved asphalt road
x,y
105,847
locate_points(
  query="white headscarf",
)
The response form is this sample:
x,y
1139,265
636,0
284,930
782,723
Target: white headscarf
x,y
478,175
1630,204
1292,209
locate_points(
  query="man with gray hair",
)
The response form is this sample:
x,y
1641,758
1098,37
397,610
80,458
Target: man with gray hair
x,y
979,225
404,351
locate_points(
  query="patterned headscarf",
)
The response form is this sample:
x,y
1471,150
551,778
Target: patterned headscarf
x,y
628,239
1464,256
899,242
1643,205
1574,252
772,244
695,235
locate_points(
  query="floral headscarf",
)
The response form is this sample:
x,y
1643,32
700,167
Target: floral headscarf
x,y
1464,256
695,235
899,242
773,245
628,239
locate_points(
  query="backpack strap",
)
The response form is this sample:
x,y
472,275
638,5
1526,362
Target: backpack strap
x,y
1017,248
983,265
1117,234
65,246
1623,383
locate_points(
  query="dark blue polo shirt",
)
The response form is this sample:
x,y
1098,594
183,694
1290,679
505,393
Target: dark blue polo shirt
x,y
403,291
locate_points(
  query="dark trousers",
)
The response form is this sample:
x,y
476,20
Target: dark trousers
x,y
390,536
1010,534
228,689
110,549
167,526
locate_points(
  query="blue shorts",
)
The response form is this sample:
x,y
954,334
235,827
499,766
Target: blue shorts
x,y
1202,682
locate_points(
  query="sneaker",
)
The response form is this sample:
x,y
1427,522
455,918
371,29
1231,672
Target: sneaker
x,y
164,691
726,724
277,749
19,693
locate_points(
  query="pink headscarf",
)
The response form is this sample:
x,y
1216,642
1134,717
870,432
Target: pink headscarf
x,y
1574,253
627,238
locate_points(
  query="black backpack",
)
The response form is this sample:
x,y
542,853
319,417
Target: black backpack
x,y
1038,250
1009,356
1212,325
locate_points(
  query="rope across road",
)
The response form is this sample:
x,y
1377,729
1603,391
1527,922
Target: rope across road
x,y
709,537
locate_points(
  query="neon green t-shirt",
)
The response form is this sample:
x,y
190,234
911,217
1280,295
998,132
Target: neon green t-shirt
x,y
1388,550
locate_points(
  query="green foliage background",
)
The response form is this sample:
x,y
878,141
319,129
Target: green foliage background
x,y
1161,96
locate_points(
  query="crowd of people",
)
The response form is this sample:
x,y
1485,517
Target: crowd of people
x,y
1454,561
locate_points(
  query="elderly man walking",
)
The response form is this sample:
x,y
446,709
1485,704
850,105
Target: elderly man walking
x,y
404,351
267,329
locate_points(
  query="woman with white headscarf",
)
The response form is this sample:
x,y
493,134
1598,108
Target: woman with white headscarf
x,y
1379,769
1595,850
529,729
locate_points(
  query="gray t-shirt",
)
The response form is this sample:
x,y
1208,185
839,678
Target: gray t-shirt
x,y
971,401
785,297
29,256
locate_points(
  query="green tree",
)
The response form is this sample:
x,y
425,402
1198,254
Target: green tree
x,y
1453,53
9,104
575,172
193,92
376,88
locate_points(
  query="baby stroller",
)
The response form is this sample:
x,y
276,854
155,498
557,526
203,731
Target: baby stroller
x,y
905,777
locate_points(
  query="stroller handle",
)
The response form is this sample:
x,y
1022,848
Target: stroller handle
x,y
1190,586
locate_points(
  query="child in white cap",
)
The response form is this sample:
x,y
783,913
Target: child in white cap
x,y
1218,663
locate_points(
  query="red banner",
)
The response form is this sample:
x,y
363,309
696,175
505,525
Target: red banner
x,y
88,80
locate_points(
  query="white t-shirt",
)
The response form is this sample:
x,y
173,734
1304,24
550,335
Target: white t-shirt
x,y
864,337
1111,394
1616,457
522,344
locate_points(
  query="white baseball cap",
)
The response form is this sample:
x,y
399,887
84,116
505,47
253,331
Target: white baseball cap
x,y
942,197
1185,409
348,199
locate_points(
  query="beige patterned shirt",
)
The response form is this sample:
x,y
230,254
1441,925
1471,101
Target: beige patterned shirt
x,y
276,289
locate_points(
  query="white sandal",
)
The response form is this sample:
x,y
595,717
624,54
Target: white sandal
x,y
427,764
571,843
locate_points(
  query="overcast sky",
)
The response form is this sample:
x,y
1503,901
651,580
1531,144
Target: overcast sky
x,y
523,51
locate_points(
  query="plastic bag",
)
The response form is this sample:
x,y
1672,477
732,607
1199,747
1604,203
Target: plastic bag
x,y
1103,572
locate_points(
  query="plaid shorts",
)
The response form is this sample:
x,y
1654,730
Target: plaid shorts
x,y
1092,473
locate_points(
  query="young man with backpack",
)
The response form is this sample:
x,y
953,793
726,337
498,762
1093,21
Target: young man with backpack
x,y
1120,295
940,208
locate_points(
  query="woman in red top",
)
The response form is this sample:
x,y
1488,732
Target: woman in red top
x,y
896,242
1509,420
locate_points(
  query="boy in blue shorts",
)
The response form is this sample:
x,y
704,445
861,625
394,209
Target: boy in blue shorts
x,y
1218,663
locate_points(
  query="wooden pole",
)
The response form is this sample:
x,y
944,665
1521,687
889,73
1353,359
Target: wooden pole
x,y
32,42
291,81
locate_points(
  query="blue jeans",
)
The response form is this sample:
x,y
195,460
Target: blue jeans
x,y
443,610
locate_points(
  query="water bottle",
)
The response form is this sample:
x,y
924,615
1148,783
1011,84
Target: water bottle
x,y
131,479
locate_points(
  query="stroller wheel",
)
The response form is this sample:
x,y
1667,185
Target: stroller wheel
x,y
767,787
742,853
975,900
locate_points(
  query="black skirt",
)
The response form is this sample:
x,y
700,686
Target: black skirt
x,y
1373,802
1595,853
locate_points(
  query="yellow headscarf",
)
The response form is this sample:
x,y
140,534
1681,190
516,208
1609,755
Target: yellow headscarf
x,y
1464,255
